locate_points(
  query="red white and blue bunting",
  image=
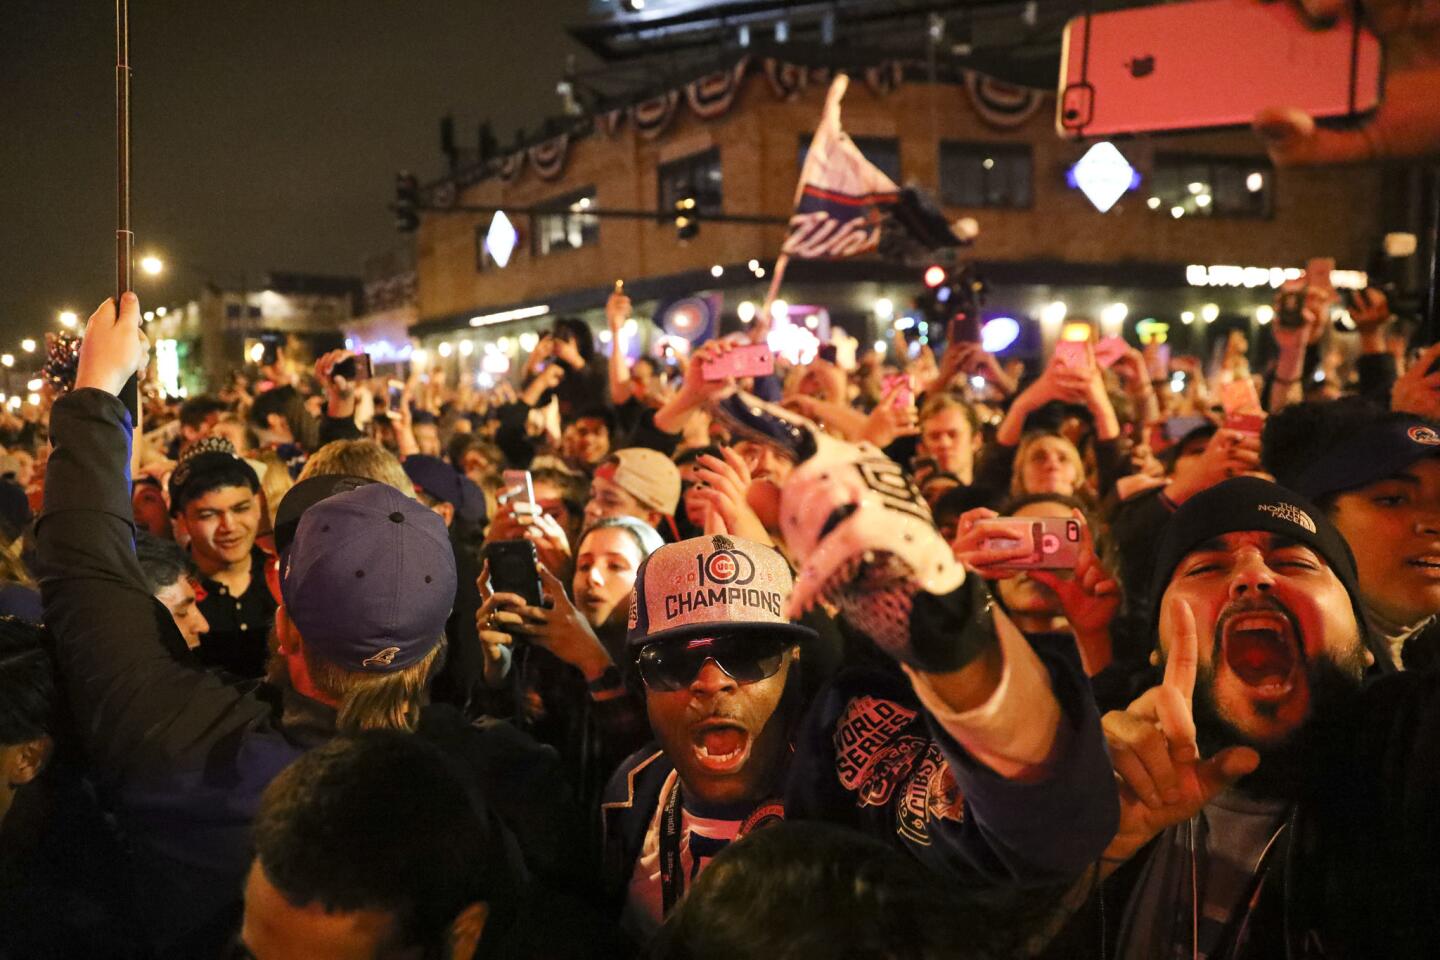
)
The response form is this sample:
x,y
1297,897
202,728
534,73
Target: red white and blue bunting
x,y
511,165
1000,104
787,80
714,94
611,120
885,78
652,116
548,158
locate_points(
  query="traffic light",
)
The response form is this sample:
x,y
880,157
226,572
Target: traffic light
x,y
687,226
407,202
950,303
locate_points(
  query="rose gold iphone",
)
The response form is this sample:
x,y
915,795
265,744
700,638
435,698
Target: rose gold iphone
x,y
1211,63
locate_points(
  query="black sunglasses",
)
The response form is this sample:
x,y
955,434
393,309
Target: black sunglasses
x,y
745,657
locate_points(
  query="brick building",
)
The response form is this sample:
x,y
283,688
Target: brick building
x,y
734,139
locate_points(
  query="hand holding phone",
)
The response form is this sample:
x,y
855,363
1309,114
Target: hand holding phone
x,y
1072,355
1153,68
1109,350
749,360
514,567
897,387
519,494
1239,396
1054,543
355,368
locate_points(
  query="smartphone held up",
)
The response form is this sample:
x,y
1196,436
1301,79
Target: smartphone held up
x,y
514,567
1055,541
1154,68
750,360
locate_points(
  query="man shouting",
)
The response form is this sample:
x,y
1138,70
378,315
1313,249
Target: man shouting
x,y
1273,804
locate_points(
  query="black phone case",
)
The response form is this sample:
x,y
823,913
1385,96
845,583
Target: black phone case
x,y
514,569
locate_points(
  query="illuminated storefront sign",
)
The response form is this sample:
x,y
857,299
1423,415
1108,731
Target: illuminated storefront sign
x,y
1224,275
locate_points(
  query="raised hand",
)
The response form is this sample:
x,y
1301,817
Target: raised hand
x,y
1090,599
888,420
1418,390
972,545
1163,780
561,629
1230,453
1404,125
114,347
724,495
497,611
618,309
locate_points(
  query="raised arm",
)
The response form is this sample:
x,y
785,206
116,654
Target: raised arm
x,y
617,311
1020,791
136,694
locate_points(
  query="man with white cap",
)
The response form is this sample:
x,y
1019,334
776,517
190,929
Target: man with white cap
x,y
974,725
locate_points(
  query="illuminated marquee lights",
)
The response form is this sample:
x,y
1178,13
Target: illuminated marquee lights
x,y
521,313
1225,275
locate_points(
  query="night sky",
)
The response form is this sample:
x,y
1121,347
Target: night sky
x,y
266,132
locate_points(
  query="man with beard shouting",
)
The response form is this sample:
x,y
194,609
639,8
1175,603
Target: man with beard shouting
x,y
1273,804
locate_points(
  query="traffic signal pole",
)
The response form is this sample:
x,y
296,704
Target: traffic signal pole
x,y
616,214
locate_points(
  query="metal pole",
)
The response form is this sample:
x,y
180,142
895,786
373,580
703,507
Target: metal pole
x,y
619,214
124,237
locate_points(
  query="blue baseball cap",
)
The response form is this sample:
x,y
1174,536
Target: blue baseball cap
x,y
369,579
443,482
1360,457
436,477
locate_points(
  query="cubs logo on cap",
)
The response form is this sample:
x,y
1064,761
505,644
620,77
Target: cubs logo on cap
x,y
710,585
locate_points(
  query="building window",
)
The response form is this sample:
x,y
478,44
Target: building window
x,y
697,176
1190,186
233,311
985,174
884,152
568,227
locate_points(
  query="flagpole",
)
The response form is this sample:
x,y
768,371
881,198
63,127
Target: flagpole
x,y
838,86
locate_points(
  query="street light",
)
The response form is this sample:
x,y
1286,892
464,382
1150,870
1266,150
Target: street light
x,y
152,265
27,345
7,359
68,318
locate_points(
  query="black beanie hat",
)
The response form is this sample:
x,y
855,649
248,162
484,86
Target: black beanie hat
x,y
1249,503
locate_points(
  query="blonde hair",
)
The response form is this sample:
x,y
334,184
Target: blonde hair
x,y
358,458
1017,472
374,701
946,400
275,482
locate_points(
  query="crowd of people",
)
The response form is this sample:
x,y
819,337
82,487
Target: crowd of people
x,y
1113,655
